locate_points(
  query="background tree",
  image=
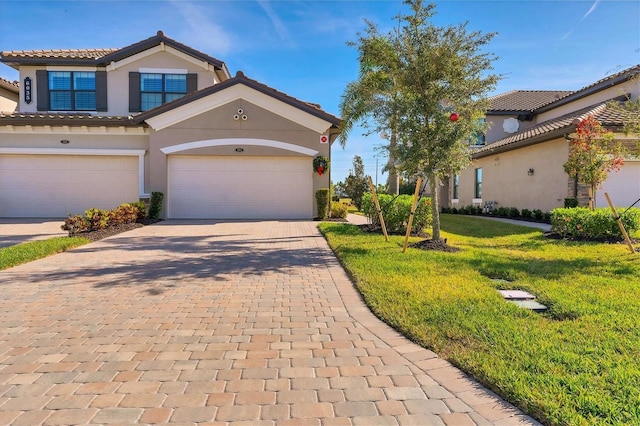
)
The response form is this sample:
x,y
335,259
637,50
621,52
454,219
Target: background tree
x,y
371,100
443,79
593,154
356,184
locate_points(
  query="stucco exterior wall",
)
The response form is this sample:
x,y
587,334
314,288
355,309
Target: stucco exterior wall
x,y
8,100
506,179
219,124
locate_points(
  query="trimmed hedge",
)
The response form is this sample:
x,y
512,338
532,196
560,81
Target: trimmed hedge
x,y
396,211
322,202
581,223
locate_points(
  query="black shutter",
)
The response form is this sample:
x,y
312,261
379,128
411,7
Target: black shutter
x,y
192,82
42,87
101,91
134,92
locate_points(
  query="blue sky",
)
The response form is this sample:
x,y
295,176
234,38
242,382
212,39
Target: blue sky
x,y
299,46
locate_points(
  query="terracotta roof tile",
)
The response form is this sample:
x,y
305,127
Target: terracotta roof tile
x,y
53,119
524,100
57,54
607,117
12,86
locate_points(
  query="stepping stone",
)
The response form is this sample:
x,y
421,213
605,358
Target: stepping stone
x,y
516,295
530,304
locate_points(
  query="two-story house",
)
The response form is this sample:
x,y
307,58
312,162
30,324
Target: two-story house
x,y
100,127
520,162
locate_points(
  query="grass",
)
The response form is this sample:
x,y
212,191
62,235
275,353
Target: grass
x,y
33,250
576,364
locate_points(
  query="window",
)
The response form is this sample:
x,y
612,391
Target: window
x,y
72,91
478,190
456,184
478,138
157,89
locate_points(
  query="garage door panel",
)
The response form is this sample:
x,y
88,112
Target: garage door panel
x,y
54,185
240,188
623,186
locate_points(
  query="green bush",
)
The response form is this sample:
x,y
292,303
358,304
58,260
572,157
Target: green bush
x,y
513,213
339,210
142,210
396,212
581,223
155,205
322,202
570,203
538,214
97,218
526,214
75,224
502,211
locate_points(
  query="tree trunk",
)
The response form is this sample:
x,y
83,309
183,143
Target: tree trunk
x,y
394,179
592,198
435,206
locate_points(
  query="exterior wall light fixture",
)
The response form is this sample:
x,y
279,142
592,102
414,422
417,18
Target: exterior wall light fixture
x,y
64,141
530,172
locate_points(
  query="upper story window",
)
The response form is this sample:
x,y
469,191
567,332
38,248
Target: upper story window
x,y
72,91
158,89
456,186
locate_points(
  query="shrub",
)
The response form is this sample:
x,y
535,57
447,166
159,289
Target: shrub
x,y
322,202
526,214
97,218
513,213
141,207
339,210
75,224
124,213
502,211
570,203
581,223
155,205
537,214
396,211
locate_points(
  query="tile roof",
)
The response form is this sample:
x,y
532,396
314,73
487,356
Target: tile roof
x,y
57,54
240,78
553,128
61,119
12,86
101,57
524,100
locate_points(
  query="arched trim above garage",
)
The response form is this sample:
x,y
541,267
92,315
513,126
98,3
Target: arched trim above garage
x,y
239,141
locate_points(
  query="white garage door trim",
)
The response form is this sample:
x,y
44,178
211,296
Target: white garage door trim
x,y
79,151
239,141
251,187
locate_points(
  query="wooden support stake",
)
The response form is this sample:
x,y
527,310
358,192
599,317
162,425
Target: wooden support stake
x,y
619,221
413,210
378,209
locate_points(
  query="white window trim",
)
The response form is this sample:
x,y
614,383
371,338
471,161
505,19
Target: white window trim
x,y
79,151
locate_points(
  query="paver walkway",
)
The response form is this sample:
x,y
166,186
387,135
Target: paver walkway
x,y
229,323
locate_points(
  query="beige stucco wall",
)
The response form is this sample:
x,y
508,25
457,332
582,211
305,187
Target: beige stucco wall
x,y
219,124
118,79
506,179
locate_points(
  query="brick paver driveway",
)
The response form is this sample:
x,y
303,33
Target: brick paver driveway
x,y
194,322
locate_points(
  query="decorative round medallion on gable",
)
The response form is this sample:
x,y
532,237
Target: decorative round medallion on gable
x,y
511,125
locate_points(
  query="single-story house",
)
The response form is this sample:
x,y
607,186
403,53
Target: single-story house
x,y
520,161
100,127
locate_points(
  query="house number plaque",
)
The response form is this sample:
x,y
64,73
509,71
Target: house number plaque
x,y
27,90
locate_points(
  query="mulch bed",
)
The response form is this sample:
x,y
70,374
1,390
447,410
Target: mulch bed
x,y
113,230
427,244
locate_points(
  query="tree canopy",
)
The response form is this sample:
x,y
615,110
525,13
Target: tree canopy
x,y
426,85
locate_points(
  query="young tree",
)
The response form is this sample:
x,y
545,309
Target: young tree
x,y
443,78
593,154
356,184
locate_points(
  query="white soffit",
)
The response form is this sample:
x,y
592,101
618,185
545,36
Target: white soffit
x,y
238,141
230,94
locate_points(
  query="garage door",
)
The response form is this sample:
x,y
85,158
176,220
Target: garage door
x,y
623,186
210,187
55,185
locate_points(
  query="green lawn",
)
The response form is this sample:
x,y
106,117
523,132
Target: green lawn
x,y
33,250
576,364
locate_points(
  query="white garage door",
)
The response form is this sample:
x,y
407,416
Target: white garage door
x,y
623,186
55,185
209,187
